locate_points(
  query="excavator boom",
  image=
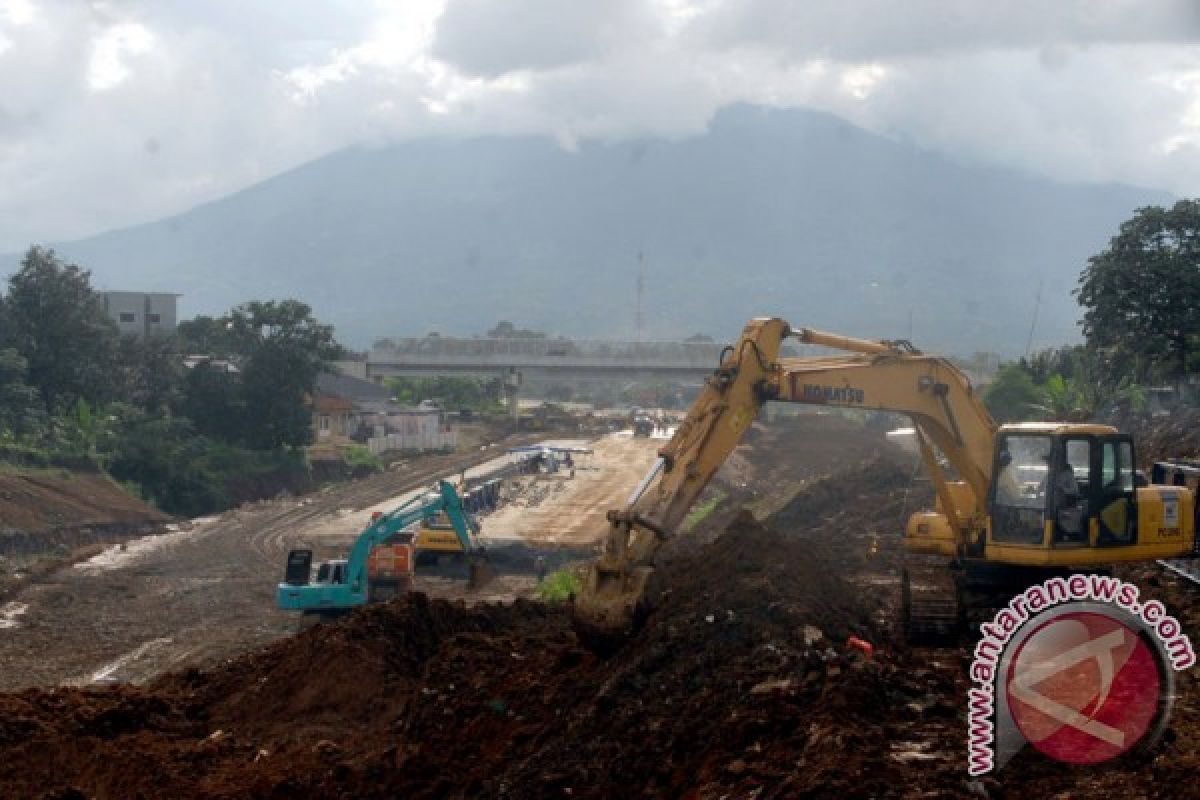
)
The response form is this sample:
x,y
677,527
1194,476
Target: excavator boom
x,y
889,376
609,604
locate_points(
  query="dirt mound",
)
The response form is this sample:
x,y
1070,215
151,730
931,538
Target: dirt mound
x,y
278,718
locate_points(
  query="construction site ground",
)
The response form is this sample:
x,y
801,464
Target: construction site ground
x,y
740,685
204,590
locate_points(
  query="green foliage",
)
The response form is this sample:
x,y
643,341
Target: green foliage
x,y
558,586
476,394
212,400
359,457
186,474
190,441
1142,295
21,413
1012,396
702,511
280,349
284,348
150,374
165,458
54,320
209,336
1060,384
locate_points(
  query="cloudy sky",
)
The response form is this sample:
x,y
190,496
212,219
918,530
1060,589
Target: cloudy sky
x,y
114,113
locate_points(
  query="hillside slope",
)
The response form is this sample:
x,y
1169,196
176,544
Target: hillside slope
x,y
789,212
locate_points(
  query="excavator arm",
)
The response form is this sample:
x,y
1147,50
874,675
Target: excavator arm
x,y
886,376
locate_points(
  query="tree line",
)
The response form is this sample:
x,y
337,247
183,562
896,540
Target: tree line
x,y
1140,299
71,386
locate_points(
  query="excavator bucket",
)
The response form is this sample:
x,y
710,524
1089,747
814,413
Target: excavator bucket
x,y
610,605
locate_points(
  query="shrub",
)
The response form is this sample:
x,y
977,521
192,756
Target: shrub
x,y
559,585
360,459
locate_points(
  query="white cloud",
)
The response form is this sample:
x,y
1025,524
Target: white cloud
x,y
109,64
17,12
114,113
859,82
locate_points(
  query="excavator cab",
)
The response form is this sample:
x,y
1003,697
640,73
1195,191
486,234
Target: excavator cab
x,y
331,573
1063,487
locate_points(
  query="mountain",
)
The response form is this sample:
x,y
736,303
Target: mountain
x,y
785,212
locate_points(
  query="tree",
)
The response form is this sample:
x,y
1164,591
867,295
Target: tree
x,y
1142,295
450,392
54,320
149,373
283,349
207,336
212,400
21,414
1012,396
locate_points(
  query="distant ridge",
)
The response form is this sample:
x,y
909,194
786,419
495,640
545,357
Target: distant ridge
x,y
786,212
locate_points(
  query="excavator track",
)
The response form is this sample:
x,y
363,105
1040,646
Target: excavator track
x,y
930,605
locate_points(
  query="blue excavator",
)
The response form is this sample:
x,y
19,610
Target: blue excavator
x,y
379,565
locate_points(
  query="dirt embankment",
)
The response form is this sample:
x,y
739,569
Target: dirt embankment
x,y
48,514
40,502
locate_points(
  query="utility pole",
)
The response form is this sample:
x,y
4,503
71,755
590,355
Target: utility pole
x,y
1037,303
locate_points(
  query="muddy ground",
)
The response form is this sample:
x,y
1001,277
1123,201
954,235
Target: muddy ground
x,y
741,684
200,593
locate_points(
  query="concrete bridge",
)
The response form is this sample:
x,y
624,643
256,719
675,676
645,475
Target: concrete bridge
x,y
540,360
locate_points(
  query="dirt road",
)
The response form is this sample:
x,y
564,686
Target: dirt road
x,y
569,511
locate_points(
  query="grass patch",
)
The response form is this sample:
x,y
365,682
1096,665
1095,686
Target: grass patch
x,y
559,585
359,457
702,511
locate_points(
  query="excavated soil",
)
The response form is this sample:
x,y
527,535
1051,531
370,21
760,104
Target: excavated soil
x,y
45,509
741,684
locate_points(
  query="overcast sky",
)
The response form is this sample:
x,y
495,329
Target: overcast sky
x,y
114,113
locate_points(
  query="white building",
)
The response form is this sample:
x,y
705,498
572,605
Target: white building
x,y
142,313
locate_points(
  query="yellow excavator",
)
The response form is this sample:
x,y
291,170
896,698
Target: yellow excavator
x,y
1024,499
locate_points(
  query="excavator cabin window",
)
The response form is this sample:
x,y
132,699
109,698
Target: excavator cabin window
x,y
1019,489
1082,484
